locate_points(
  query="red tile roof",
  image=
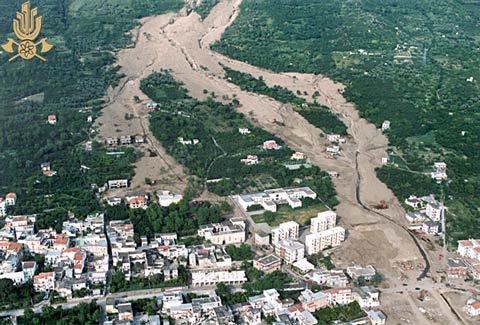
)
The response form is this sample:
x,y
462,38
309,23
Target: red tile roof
x,y
11,195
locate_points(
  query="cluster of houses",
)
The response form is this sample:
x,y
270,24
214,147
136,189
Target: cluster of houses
x,y
209,309
125,140
427,214
336,140
76,259
141,200
439,173
468,263
269,199
339,292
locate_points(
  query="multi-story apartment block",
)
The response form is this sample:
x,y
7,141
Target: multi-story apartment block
x,y
286,230
290,250
324,220
435,211
319,241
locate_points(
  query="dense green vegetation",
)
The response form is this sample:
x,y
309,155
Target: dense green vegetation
x,y
71,85
13,297
221,147
183,218
320,260
84,313
119,283
316,114
259,281
205,7
240,253
410,62
342,313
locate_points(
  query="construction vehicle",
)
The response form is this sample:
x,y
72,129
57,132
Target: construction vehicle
x,y
382,205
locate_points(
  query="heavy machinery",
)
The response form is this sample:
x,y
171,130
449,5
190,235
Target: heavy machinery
x,y
382,205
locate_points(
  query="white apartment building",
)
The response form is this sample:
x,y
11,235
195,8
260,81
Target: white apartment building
x,y
324,220
286,230
270,198
290,250
434,210
211,278
319,241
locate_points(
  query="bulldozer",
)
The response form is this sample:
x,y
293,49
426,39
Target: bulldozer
x,y
382,205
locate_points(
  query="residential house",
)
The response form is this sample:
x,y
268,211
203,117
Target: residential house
x,y
385,125
271,145
367,273
330,278
137,201
244,131
473,306
250,160
167,198
430,227
367,297
456,268
228,232
376,317
52,119
312,301
44,282
117,183
267,263
298,156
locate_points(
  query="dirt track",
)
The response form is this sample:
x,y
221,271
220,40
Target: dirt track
x,y
181,43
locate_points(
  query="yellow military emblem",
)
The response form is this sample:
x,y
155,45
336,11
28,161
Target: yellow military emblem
x,y
27,26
